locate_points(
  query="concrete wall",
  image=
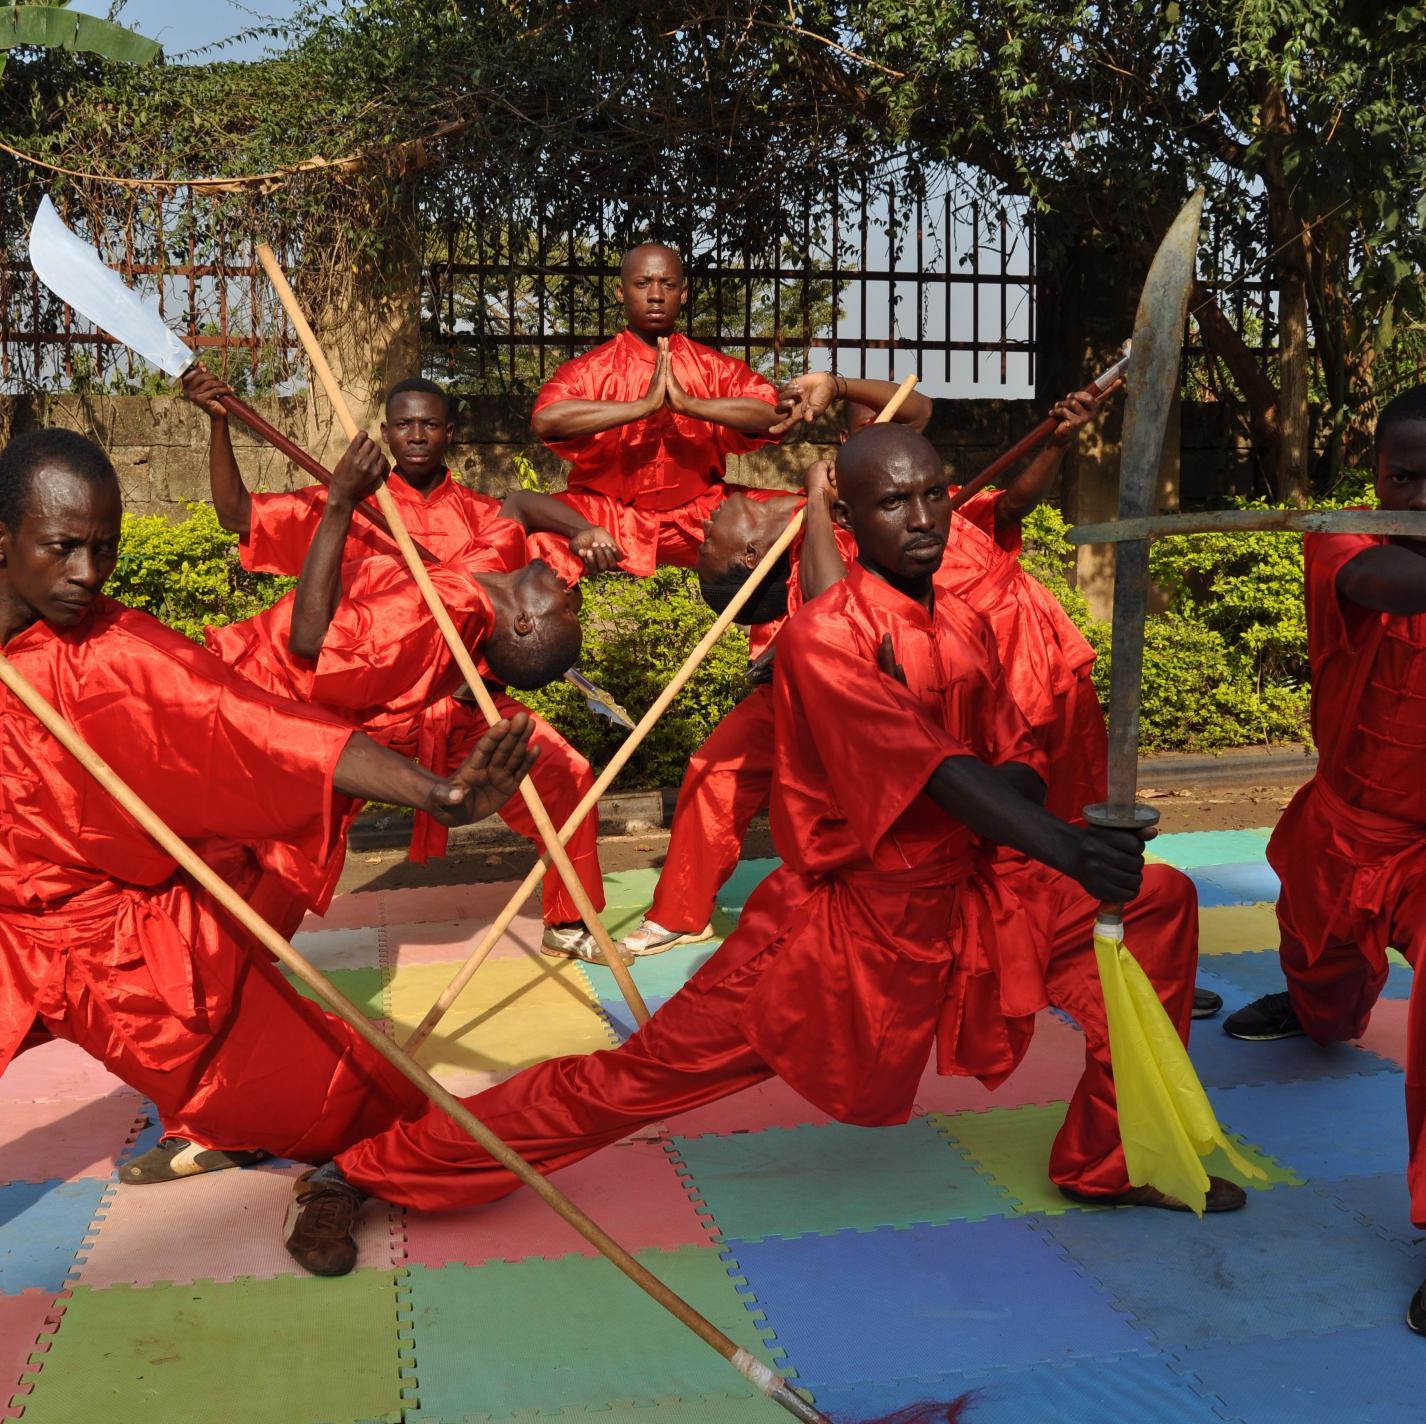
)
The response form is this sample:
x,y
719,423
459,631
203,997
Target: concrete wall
x,y
159,444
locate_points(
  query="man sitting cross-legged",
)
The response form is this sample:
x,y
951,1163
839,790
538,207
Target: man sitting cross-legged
x,y
103,941
898,752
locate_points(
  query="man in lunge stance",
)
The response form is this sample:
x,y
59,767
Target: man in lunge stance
x,y
1350,850
103,941
898,749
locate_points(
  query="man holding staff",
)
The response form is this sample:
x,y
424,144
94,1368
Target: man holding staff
x,y
648,421
102,940
897,747
452,521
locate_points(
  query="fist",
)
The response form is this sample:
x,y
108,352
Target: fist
x,y
203,388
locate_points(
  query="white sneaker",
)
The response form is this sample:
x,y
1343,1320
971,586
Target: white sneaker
x,y
652,938
572,942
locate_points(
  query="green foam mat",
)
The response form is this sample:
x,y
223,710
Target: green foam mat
x,y
295,1350
571,1333
362,986
1011,1147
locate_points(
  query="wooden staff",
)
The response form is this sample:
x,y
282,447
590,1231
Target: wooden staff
x,y
200,871
1032,441
553,845
627,748
313,467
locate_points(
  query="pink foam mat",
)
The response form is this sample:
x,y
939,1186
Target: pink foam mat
x,y
631,1189
427,903
1386,1033
26,1321
57,1070
451,941
214,1227
347,912
61,1139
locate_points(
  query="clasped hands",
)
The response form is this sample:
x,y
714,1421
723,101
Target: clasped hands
x,y
666,392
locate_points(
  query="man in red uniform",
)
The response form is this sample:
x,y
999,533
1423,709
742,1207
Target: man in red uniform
x,y
648,421
898,750
1350,849
451,520
103,941
1046,660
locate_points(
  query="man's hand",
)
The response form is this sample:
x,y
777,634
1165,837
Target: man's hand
x,y
1109,864
820,481
359,472
791,410
596,546
656,397
1077,409
203,388
759,670
814,392
886,660
675,397
488,777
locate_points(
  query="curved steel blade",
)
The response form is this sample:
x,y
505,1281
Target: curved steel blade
x,y
74,272
1151,383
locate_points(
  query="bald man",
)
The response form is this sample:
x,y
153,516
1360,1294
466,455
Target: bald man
x,y
648,421
879,939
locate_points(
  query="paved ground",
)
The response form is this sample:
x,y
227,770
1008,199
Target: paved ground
x,y
879,1266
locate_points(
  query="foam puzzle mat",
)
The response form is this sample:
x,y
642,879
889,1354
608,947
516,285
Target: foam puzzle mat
x,y
874,1267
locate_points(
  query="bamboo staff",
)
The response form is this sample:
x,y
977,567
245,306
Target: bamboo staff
x,y
627,748
1033,440
554,846
200,871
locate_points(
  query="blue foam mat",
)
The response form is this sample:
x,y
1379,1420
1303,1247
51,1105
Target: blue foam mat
x,y
1189,850
42,1225
1291,1261
1343,1127
1251,884
929,1300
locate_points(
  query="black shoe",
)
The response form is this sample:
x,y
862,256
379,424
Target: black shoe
x,y
1222,1195
1264,1020
1207,1004
318,1229
1416,1311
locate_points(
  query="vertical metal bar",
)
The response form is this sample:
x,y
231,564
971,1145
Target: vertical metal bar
x,y
920,273
718,265
975,291
510,296
747,301
599,278
1031,288
482,313
223,329
836,274
891,270
948,234
572,285
865,200
806,281
192,277
777,298
542,250
1004,293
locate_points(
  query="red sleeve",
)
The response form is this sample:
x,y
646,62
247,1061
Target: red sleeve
x,y
280,531
383,645
875,747
572,381
736,380
1333,622
980,510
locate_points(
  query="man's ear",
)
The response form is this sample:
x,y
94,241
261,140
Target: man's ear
x,y
751,556
619,292
841,515
522,625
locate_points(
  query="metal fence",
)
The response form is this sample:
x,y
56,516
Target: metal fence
x,y
869,282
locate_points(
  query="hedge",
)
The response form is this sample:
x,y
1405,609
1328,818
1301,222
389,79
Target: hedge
x,y
1225,663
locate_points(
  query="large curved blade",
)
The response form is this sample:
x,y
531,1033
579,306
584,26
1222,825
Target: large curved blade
x,y
73,271
1152,383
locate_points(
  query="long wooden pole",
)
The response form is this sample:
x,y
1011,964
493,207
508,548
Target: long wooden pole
x,y
458,650
627,748
195,866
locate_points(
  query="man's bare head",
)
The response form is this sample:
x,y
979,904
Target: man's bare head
x,y
892,495
652,289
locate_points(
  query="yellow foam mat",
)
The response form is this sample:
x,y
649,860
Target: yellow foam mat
x,y
513,1012
1228,929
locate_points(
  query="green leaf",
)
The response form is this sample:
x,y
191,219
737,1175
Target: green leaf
x,y
53,27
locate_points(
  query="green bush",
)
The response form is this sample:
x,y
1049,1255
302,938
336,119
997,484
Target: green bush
x,y
188,574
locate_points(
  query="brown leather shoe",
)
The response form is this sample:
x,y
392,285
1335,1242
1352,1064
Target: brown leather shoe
x,y
318,1229
1223,1195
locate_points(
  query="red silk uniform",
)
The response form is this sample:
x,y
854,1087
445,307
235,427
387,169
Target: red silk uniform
x,y
1350,849
452,516
453,522
650,483
855,957
109,945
